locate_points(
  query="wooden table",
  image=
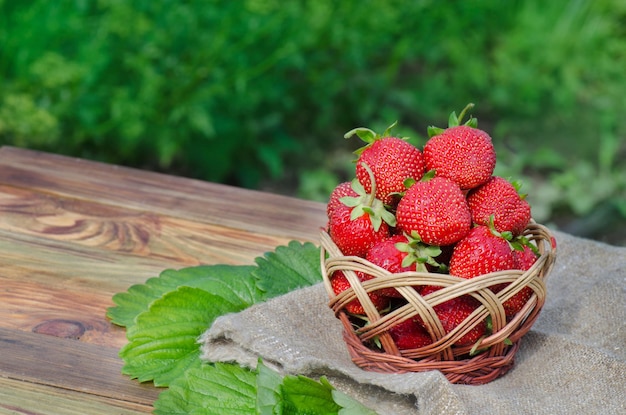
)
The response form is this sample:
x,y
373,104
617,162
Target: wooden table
x,y
75,232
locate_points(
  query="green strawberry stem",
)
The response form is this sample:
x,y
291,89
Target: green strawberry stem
x,y
461,115
369,136
368,203
454,121
419,253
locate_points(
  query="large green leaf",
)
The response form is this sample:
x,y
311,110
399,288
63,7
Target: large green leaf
x,y
164,342
268,382
224,389
302,395
287,268
220,389
232,280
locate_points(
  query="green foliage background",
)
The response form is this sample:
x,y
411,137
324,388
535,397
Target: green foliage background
x,y
258,93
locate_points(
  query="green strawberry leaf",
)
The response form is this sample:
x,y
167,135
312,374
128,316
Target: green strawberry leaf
x,y
230,389
163,344
302,395
219,389
453,120
387,132
433,131
269,400
349,406
139,297
472,122
365,134
287,268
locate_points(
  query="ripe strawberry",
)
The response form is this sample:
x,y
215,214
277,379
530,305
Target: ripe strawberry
x,y
340,283
386,255
523,260
453,312
409,334
437,210
500,198
354,236
356,223
461,153
392,160
481,252
341,190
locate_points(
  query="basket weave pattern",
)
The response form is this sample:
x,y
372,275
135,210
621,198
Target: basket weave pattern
x,y
455,362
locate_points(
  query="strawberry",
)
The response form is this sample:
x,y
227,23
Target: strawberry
x,y
356,223
461,153
453,312
409,334
436,210
386,255
340,283
500,198
355,235
524,260
400,253
392,160
341,190
482,251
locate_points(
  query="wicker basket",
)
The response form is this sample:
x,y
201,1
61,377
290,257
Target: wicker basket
x,y
456,363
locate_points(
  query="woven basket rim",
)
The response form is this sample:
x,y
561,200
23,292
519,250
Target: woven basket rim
x,y
442,355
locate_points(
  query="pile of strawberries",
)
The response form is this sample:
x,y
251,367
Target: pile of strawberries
x,y
440,209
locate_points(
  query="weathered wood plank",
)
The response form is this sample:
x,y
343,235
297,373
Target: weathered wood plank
x,y
70,365
73,233
174,240
18,397
196,200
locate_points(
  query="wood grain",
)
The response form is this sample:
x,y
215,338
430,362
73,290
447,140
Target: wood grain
x,y
70,366
17,397
73,233
197,200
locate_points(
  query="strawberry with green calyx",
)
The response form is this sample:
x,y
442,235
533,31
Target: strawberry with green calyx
x,y
391,159
435,209
482,251
501,199
401,253
359,222
461,152
424,256
340,283
341,190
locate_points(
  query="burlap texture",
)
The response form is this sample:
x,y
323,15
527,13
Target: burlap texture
x,y
572,361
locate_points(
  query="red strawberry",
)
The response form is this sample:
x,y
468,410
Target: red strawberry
x,y
354,236
500,198
341,190
356,223
481,252
340,283
437,210
409,334
386,255
523,260
462,153
454,312
392,160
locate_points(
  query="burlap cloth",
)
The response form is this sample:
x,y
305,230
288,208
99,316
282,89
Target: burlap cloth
x,y
572,361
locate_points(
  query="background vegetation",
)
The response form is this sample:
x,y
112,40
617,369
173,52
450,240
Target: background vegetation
x,y
258,93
